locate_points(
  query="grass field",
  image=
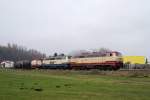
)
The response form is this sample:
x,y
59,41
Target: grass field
x,y
69,85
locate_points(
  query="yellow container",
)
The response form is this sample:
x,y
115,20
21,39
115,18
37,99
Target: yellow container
x,y
134,59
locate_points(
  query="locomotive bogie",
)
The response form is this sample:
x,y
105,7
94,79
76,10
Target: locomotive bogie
x,y
55,66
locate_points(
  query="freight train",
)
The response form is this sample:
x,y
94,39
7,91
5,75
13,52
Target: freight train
x,y
109,61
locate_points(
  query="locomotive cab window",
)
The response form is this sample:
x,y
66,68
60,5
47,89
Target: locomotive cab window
x,y
118,54
111,54
108,54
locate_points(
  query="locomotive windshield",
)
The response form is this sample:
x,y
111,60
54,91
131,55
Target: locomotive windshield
x,y
118,54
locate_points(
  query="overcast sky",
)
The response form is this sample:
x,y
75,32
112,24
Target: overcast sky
x,y
67,25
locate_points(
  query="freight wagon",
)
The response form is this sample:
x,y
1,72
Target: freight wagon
x,y
36,64
24,64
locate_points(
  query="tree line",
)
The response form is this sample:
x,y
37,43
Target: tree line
x,y
14,52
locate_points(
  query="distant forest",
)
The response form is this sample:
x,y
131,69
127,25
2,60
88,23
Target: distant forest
x,y
14,52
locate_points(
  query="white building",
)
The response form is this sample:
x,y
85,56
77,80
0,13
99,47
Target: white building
x,y
7,64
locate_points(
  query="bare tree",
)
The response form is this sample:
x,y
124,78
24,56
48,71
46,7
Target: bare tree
x,y
14,52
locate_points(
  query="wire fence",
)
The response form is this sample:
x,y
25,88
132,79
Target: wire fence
x,y
136,66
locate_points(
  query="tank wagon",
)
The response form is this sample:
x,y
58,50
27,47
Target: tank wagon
x,y
24,64
111,60
36,64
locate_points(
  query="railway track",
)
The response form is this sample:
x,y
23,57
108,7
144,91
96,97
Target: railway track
x,y
134,70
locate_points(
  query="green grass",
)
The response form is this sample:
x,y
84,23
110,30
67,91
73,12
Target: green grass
x,y
67,85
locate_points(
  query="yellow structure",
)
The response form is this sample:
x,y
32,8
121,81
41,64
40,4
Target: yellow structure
x,y
134,59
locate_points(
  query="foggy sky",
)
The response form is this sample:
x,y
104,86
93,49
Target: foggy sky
x,y
67,25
